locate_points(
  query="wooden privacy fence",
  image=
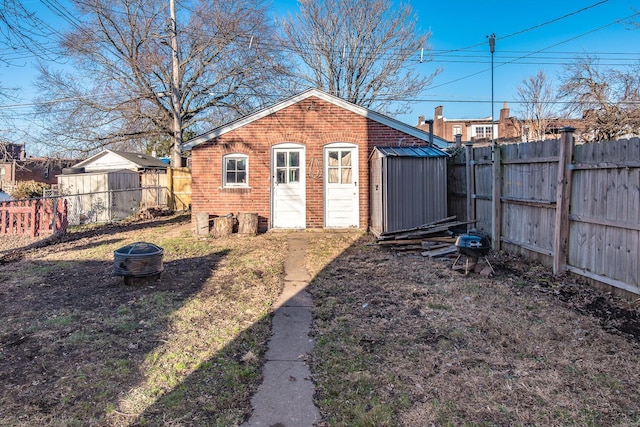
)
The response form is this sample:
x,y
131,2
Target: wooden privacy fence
x,y
35,218
575,208
179,185
172,189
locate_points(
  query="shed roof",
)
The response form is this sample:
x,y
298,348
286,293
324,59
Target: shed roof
x,y
410,151
140,160
365,112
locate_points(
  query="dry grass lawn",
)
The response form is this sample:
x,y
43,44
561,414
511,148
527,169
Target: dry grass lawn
x,y
400,340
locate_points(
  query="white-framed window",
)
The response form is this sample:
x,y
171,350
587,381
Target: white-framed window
x,y
457,130
235,170
339,166
488,131
483,131
287,167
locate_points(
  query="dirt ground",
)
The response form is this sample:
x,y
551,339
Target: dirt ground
x,y
416,342
427,345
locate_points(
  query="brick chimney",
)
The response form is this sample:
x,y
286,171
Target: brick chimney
x,y
438,122
504,112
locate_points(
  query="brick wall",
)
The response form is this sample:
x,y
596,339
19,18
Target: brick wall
x,y
35,169
313,123
39,170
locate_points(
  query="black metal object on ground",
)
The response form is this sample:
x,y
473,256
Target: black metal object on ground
x,y
138,260
473,246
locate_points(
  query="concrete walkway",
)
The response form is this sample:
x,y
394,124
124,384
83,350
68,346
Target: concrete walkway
x,y
285,397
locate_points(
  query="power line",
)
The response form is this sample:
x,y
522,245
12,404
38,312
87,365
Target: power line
x,y
538,51
61,11
535,26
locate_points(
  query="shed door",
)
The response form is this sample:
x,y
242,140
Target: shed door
x,y
341,186
288,192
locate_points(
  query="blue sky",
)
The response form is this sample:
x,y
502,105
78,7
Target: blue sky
x,y
529,36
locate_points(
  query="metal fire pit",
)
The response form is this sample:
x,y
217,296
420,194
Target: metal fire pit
x,y
138,260
473,246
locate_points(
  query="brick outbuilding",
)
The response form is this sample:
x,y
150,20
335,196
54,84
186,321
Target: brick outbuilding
x,y
301,163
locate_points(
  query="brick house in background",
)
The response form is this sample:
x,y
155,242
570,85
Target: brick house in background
x,y
15,166
481,130
301,163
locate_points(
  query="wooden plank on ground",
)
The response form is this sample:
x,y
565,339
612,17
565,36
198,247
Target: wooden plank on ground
x,y
440,252
443,239
434,245
407,248
423,226
431,231
400,242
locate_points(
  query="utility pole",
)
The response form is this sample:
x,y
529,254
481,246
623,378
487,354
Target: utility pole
x,y
176,158
496,168
492,49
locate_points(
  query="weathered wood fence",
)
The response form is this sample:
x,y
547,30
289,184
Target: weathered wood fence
x,y
36,217
575,208
172,189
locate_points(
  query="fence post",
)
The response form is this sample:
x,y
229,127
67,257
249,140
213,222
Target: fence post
x,y
61,215
563,200
496,207
4,217
471,187
170,196
54,222
35,217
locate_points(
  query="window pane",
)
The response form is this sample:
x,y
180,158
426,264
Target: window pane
x,y
346,158
346,176
241,164
333,175
333,158
294,175
241,177
281,176
231,178
294,159
280,160
231,164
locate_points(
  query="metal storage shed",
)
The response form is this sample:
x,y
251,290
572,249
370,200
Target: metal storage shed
x,y
408,187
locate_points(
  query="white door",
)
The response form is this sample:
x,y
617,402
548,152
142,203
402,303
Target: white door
x,y
288,188
341,186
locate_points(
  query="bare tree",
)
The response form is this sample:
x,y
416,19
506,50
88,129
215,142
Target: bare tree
x,y
608,99
117,93
536,96
24,34
360,50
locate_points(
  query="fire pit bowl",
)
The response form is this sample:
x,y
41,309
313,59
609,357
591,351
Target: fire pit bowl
x,y
473,245
138,260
